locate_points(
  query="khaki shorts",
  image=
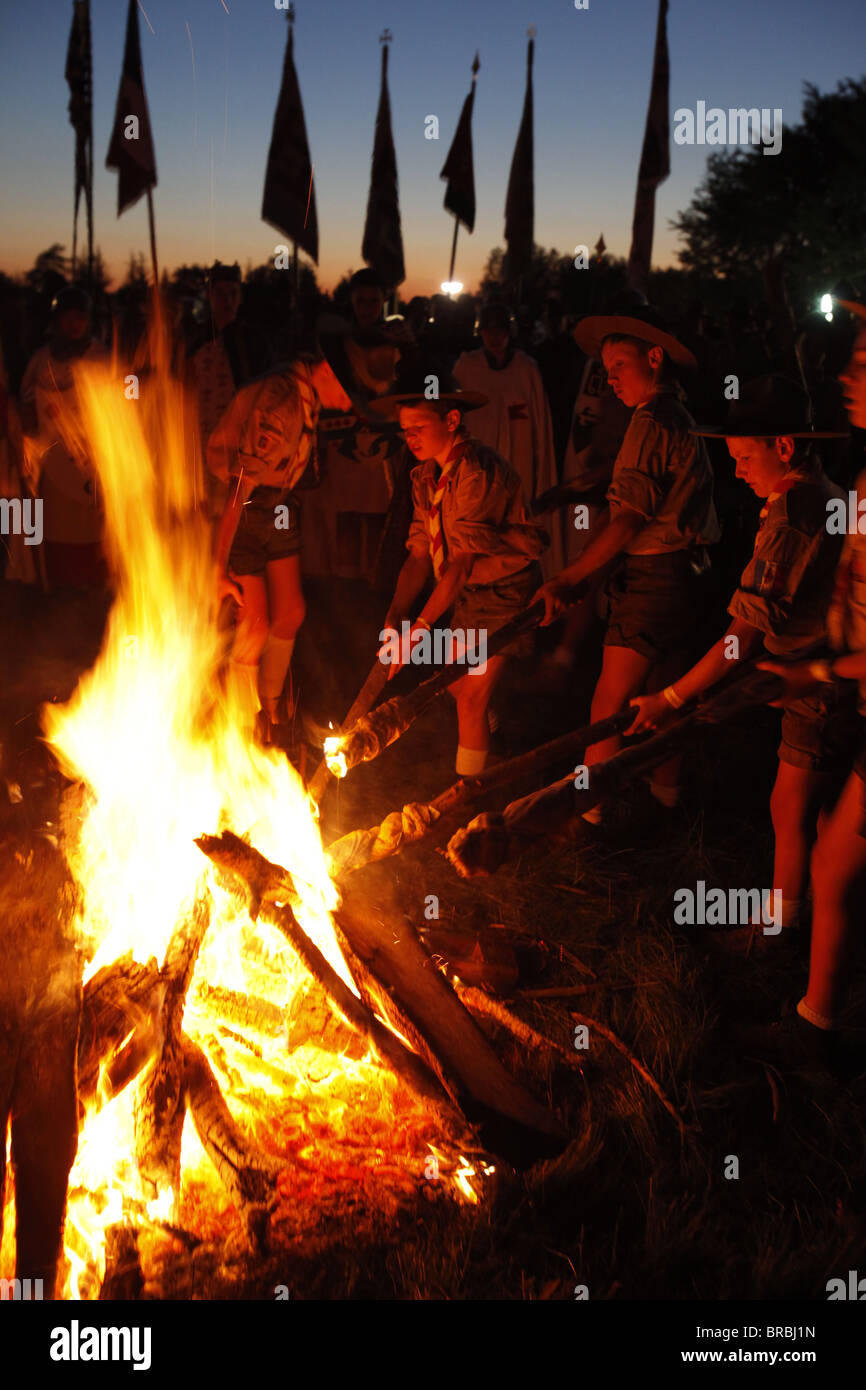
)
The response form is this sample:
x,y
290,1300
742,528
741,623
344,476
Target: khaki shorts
x,y
817,731
655,604
489,607
257,539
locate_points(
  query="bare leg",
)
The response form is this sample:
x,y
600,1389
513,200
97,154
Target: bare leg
x,y
794,805
473,694
838,884
250,636
287,612
623,675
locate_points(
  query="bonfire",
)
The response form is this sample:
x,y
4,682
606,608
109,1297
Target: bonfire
x,y
229,1069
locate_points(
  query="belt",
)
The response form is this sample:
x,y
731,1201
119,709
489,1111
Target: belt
x,y
496,583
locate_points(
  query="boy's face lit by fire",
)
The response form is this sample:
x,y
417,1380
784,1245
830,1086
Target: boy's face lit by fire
x,y
853,380
427,434
632,370
761,463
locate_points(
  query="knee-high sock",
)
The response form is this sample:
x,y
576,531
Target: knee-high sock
x,y
273,668
470,761
243,691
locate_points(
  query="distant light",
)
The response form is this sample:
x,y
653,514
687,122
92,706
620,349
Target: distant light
x,y
451,287
827,307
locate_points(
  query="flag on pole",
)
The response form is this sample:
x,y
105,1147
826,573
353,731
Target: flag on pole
x,y
382,247
458,168
520,198
655,160
289,201
79,77
131,149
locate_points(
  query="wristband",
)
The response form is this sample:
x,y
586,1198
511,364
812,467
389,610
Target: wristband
x,y
672,697
822,671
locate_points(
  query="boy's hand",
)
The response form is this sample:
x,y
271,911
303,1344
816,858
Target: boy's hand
x,y
798,678
396,664
555,595
651,711
227,587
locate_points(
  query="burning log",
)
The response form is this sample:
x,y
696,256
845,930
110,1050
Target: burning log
x,y
396,976
512,1122
160,1109
377,731
267,883
247,1174
421,820
121,999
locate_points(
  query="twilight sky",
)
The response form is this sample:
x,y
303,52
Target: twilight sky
x,y
212,115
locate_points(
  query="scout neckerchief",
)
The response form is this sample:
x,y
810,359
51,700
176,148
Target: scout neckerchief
x,y
437,540
788,481
310,407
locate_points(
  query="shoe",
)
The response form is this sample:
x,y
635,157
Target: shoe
x,y
751,942
793,1044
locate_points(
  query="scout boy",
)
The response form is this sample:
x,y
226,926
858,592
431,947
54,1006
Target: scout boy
x,y
471,533
661,516
781,603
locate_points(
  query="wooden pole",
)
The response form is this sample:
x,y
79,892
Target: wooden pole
x,y
454,248
154,261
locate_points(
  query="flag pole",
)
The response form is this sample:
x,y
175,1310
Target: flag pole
x,y
153,258
454,247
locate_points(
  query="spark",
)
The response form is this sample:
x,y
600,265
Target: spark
x,y
225,6
144,12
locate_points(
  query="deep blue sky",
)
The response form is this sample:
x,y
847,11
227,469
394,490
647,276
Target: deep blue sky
x,y
592,74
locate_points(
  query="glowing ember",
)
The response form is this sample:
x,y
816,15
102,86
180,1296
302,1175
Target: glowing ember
x,y
334,757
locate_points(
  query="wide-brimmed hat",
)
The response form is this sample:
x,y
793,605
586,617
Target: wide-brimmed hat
x,y
641,322
447,392
769,406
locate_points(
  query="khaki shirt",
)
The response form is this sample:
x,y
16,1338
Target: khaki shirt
x,y
785,588
483,514
664,473
268,431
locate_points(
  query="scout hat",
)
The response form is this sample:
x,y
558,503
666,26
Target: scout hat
x,y
449,393
642,322
769,406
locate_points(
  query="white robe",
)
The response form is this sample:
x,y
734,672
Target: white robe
x,y
516,423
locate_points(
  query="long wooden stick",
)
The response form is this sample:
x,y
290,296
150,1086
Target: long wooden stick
x,y
421,821
373,733
361,705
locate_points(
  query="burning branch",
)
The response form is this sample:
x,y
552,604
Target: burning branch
x,y
420,820
374,732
